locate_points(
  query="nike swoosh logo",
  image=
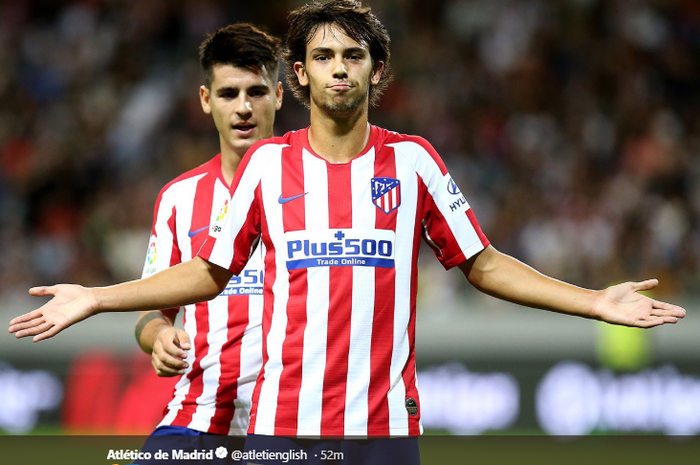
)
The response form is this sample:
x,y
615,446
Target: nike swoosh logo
x,y
283,200
196,231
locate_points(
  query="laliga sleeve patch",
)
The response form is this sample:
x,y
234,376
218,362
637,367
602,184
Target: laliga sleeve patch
x,y
450,196
219,221
150,266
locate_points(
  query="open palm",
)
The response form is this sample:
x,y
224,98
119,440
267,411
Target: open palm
x,y
70,304
622,304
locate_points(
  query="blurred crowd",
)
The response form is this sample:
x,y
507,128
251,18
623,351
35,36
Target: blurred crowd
x,y
571,126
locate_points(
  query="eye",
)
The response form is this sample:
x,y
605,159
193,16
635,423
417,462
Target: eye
x,y
322,58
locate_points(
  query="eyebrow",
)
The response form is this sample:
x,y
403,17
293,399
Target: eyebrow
x,y
347,50
257,87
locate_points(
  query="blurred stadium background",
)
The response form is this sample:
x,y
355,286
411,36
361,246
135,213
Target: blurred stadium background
x,y
571,126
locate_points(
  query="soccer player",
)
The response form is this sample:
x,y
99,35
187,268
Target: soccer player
x,y
242,93
341,207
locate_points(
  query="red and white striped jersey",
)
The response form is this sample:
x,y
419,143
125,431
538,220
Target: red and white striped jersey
x,y
341,259
214,395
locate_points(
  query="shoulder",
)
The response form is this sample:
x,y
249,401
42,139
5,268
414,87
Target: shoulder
x,y
273,143
193,175
261,152
417,150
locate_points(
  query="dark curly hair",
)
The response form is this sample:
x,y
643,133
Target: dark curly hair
x,y
357,21
241,45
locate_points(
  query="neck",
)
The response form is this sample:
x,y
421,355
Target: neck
x,y
338,138
230,159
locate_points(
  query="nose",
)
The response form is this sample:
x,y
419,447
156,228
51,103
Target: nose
x,y
340,71
244,109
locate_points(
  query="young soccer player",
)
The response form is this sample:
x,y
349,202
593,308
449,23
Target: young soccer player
x,y
219,353
340,207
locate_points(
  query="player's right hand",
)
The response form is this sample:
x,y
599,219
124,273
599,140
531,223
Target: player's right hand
x,y
70,304
169,355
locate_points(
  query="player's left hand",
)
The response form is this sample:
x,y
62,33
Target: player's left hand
x,y
622,304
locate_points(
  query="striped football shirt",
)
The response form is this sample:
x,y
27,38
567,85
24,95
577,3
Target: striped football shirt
x,y
341,259
214,395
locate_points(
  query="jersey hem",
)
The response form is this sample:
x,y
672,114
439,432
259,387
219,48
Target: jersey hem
x,y
466,255
346,435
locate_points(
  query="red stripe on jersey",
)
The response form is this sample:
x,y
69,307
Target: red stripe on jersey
x,y
268,305
409,373
383,322
249,235
230,360
339,307
293,219
175,254
201,216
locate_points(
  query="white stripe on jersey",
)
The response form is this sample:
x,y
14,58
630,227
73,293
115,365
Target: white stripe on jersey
x,y
267,403
251,347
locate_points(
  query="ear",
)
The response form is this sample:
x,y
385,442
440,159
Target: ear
x,y
279,92
300,71
204,96
377,73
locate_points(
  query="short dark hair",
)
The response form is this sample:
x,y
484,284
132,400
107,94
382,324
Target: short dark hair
x,y
358,22
241,45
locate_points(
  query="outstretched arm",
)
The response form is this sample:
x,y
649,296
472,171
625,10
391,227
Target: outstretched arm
x,y
502,276
193,281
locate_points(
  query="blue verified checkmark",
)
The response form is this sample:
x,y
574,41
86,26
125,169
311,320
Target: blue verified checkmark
x,y
196,231
283,200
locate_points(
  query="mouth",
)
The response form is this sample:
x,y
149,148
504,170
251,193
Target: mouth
x,y
244,129
340,87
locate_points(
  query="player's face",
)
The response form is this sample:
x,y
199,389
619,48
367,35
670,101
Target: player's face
x,y
338,71
243,104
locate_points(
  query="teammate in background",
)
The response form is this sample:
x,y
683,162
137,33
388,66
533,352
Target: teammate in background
x,y
219,353
341,207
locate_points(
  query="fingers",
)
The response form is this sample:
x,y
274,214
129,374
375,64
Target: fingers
x,y
665,309
167,365
40,329
55,329
26,320
645,285
658,321
669,314
173,346
42,291
168,357
37,327
184,341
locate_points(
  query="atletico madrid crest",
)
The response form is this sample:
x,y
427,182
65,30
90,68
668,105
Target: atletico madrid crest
x,y
386,194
